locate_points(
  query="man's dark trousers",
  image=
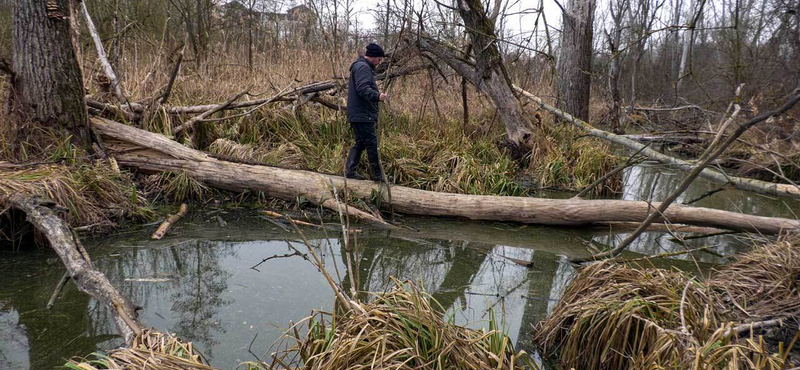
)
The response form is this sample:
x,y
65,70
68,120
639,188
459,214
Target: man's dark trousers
x,y
366,139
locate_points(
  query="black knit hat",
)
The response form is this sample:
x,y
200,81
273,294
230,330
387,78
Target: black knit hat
x,y
374,50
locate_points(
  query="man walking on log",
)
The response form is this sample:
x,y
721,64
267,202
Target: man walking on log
x,y
362,112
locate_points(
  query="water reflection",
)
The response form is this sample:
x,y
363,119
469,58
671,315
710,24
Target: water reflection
x,y
13,342
203,289
653,182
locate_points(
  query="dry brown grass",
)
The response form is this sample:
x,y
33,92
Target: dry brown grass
x,y
621,316
94,195
149,350
401,329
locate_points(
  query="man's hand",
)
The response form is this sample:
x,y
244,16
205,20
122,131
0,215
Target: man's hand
x,y
383,96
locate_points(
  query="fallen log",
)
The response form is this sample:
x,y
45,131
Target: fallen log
x,y
171,220
148,151
667,138
190,123
41,215
742,183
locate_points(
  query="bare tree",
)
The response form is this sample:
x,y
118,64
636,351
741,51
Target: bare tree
x,y
487,73
688,42
574,65
617,11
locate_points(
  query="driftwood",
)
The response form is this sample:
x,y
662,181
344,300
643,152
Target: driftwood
x,y
57,292
42,216
152,152
171,220
742,183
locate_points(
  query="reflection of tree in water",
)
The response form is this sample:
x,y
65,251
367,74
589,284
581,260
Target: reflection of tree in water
x,y
547,282
465,262
381,259
196,282
198,301
441,266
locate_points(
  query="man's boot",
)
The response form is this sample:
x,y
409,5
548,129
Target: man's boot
x,y
352,162
378,175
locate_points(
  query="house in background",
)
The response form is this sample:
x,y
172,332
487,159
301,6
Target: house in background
x,y
239,17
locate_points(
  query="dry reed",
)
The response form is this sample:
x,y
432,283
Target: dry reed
x,y
96,195
399,329
623,316
149,350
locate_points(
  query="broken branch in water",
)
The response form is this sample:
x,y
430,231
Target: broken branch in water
x,y
41,215
59,287
320,265
287,255
171,220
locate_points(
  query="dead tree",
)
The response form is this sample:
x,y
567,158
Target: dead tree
x,y
486,72
48,85
614,70
688,43
574,65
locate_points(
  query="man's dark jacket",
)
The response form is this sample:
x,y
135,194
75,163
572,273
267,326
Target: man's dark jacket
x,y
362,92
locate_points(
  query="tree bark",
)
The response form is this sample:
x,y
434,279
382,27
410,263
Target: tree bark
x,y
48,85
152,152
574,66
614,69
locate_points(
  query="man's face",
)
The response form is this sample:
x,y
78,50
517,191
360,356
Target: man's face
x,y
374,60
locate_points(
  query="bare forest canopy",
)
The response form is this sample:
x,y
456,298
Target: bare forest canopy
x,y
706,47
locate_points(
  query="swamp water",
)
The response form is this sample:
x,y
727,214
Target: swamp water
x,y
199,282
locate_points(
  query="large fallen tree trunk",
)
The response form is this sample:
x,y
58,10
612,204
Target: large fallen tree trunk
x,y
42,216
743,183
153,152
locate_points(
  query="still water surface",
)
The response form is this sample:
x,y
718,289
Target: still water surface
x,y
198,282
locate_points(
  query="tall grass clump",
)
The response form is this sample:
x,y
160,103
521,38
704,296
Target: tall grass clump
x,y
400,329
149,350
622,316
562,158
95,195
181,187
